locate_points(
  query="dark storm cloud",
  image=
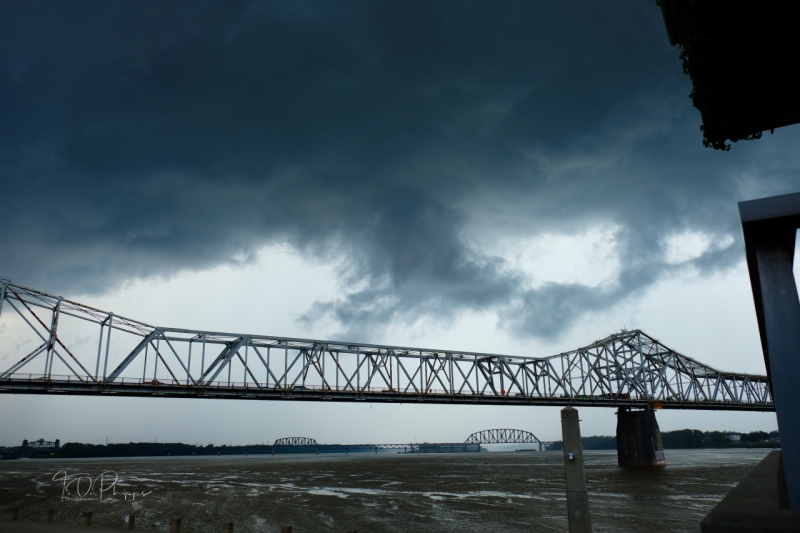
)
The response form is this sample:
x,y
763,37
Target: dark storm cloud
x,y
143,139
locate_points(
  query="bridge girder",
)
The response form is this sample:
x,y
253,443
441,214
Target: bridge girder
x,y
628,368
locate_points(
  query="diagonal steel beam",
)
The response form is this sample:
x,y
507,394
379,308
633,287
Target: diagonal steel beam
x,y
222,359
131,356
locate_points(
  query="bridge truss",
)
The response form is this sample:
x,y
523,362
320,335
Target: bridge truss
x,y
63,347
295,441
505,436
304,442
473,442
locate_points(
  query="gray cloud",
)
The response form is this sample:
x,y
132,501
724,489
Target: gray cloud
x,y
144,140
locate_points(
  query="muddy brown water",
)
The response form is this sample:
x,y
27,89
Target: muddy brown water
x,y
388,492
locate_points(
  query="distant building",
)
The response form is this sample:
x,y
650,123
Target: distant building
x,y
735,438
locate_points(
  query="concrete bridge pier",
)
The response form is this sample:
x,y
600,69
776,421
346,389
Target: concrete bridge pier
x,y
639,438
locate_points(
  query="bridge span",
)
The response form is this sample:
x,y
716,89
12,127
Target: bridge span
x,y
56,346
472,444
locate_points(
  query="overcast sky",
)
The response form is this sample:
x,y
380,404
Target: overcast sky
x,y
515,177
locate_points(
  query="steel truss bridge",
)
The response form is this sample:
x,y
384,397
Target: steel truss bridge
x,y
487,436
295,441
306,442
63,347
504,436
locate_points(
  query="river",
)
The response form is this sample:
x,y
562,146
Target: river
x,y
388,492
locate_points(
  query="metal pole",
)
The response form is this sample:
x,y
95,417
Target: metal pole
x,y
144,367
99,350
155,360
203,358
643,360
421,387
244,372
476,368
452,377
108,343
502,381
577,499
189,363
52,341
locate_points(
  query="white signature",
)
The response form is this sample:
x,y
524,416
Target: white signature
x,y
88,487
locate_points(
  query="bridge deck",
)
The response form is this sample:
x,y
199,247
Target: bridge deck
x,y
245,391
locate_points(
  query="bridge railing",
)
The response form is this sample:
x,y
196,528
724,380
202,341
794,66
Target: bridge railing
x,y
38,383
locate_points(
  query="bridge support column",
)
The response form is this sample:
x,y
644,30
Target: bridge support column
x,y
577,498
639,438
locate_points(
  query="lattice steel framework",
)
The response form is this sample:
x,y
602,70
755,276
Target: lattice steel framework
x,y
502,436
408,447
295,441
132,358
41,444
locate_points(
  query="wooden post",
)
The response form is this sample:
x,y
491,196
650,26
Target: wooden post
x,y
50,515
577,498
87,518
15,514
175,527
227,527
130,520
286,529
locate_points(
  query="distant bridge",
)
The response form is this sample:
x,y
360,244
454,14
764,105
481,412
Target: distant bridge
x,y
295,441
504,436
307,443
48,337
30,448
473,442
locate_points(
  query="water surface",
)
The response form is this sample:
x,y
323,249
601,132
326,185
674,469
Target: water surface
x,y
486,492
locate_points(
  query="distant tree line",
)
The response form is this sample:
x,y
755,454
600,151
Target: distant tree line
x,y
683,438
142,449
687,438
